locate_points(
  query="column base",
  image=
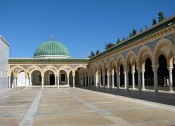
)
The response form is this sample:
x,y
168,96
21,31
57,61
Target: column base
x,y
171,91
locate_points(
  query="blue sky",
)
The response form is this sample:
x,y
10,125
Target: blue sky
x,y
81,25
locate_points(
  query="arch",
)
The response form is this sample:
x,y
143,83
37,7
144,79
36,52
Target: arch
x,y
131,58
112,64
105,65
163,73
120,60
49,77
163,46
15,67
49,67
35,77
144,53
79,66
45,70
33,67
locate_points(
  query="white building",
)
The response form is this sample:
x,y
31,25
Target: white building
x,y
4,55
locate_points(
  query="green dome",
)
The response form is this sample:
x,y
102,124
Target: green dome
x,y
52,49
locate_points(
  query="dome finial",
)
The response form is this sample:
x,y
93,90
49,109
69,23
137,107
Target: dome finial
x,y
52,37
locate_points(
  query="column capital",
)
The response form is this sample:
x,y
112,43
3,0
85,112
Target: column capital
x,y
133,71
143,71
170,68
155,67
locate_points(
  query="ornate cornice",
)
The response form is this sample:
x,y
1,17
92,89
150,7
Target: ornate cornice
x,y
154,32
46,61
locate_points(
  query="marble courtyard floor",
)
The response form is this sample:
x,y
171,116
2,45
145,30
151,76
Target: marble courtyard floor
x,y
80,107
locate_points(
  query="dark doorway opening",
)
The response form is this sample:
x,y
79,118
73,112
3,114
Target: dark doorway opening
x,y
121,76
149,76
52,79
163,74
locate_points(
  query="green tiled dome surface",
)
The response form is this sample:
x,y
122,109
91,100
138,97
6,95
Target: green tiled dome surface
x,y
51,48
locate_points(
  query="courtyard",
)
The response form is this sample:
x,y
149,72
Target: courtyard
x,y
83,107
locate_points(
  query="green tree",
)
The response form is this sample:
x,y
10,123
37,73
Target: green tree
x,y
134,32
97,52
146,27
161,16
92,54
118,40
123,38
154,21
141,30
108,45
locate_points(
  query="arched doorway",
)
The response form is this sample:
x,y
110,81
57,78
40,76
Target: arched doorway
x,y
115,77
101,75
163,74
149,76
121,76
77,78
130,76
36,78
49,78
106,79
136,76
22,80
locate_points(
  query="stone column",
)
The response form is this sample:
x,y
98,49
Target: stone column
x,y
143,79
139,80
99,80
112,83
108,78
133,79
29,81
42,78
170,79
96,79
104,80
82,77
55,80
58,81
85,77
16,81
126,80
118,80
25,82
73,81
155,78
67,80
9,82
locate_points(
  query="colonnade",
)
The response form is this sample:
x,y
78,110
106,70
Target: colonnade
x,y
107,78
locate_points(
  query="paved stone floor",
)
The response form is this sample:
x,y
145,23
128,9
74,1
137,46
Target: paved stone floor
x,y
79,107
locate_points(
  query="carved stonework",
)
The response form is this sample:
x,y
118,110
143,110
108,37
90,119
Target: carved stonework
x,y
136,50
124,54
115,57
152,44
170,37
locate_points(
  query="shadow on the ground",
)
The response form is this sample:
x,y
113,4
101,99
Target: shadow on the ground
x,y
163,98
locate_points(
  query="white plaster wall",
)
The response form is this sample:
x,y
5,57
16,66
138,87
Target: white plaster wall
x,y
4,55
21,79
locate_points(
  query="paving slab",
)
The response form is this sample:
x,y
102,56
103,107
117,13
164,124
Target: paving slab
x,y
81,107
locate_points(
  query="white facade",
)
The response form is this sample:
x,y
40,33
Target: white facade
x,y
4,55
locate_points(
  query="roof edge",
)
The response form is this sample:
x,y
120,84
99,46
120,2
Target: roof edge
x,y
4,40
